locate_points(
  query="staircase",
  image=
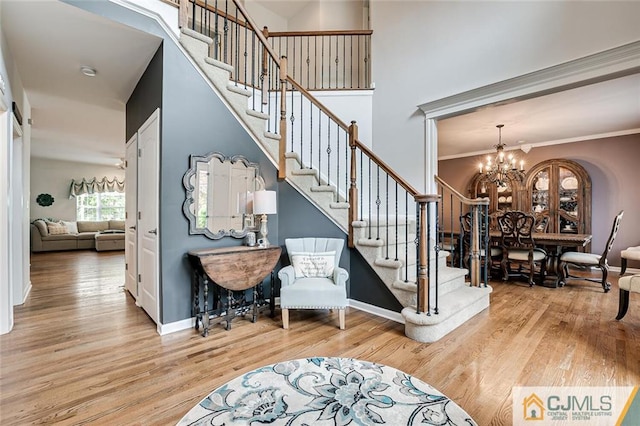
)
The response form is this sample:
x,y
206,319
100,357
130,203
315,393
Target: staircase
x,y
390,249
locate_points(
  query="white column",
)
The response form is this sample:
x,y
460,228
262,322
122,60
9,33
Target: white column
x,y
430,170
431,155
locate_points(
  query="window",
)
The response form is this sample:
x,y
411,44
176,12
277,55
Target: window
x,y
100,206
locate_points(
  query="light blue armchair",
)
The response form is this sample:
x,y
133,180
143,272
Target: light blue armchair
x,y
313,280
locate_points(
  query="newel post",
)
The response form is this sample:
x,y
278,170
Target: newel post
x,y
475,247
183,14
353,188
282,161
423,273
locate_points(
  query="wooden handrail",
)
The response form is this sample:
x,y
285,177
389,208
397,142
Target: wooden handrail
x,y
211,8
247,23
459,196
175,3
319,33
410,189
317,103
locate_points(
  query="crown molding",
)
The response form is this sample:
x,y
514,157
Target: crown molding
x,y
606,65
547,143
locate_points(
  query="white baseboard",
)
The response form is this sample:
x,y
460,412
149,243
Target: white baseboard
x,y
377,311
629,271
172,327
374,310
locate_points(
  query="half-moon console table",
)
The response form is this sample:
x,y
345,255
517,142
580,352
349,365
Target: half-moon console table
x,y
234,269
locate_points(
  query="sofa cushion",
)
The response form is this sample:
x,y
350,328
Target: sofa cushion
x,y
42,227
60,237
55,228
72,227
116,224
92,225
86,235
104,236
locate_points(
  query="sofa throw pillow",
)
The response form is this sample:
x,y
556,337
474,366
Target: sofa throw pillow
x,y
72,227
55,228
313,265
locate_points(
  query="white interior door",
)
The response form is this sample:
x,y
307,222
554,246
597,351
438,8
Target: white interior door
x,y
148,196
131,219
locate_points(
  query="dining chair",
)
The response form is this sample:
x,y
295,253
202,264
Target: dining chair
x,y
630,253
519,247
630,283
313,280
586,261
541,223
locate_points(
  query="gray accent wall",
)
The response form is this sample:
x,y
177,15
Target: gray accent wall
x,y
146,97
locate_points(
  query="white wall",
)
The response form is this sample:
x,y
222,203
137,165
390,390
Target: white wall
x,y
54,177
329,15
423,51
264,17
318,15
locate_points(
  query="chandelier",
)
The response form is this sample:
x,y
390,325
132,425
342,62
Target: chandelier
x,y
502,168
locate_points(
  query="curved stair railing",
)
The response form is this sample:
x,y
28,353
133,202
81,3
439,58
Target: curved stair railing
x,y
389,211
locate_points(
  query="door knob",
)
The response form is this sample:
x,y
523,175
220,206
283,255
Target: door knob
x,y
154,231
133,227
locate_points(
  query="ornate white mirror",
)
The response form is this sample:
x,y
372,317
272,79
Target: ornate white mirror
x,y
218,195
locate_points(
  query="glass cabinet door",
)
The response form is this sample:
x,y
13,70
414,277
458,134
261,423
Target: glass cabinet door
x,y
505,196
568,199
540,192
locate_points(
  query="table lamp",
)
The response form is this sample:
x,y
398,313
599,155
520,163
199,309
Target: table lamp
x,y
264,203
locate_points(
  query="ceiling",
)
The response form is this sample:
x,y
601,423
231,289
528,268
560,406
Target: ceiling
x,y
609,108
81,118
75,117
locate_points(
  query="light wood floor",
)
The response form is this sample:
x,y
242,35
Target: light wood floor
x,y
81,352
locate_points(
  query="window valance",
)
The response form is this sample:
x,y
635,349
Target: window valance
x,y
94,185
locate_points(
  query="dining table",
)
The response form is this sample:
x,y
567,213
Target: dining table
x,y
553,243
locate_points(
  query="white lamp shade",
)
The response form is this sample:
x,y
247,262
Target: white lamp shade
x,y
265,202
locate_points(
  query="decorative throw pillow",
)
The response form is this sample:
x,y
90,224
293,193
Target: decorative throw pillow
x,y
72,227
56,228
313,265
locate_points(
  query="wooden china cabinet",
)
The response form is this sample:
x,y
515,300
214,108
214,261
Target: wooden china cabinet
x,y
561,190
501,198
558,189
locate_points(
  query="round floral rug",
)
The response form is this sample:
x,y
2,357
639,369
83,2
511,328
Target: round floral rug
x,y
326,391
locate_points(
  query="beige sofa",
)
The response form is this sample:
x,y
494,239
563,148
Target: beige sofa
x,y
98,235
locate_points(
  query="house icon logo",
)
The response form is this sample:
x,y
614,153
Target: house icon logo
x,y
533,408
